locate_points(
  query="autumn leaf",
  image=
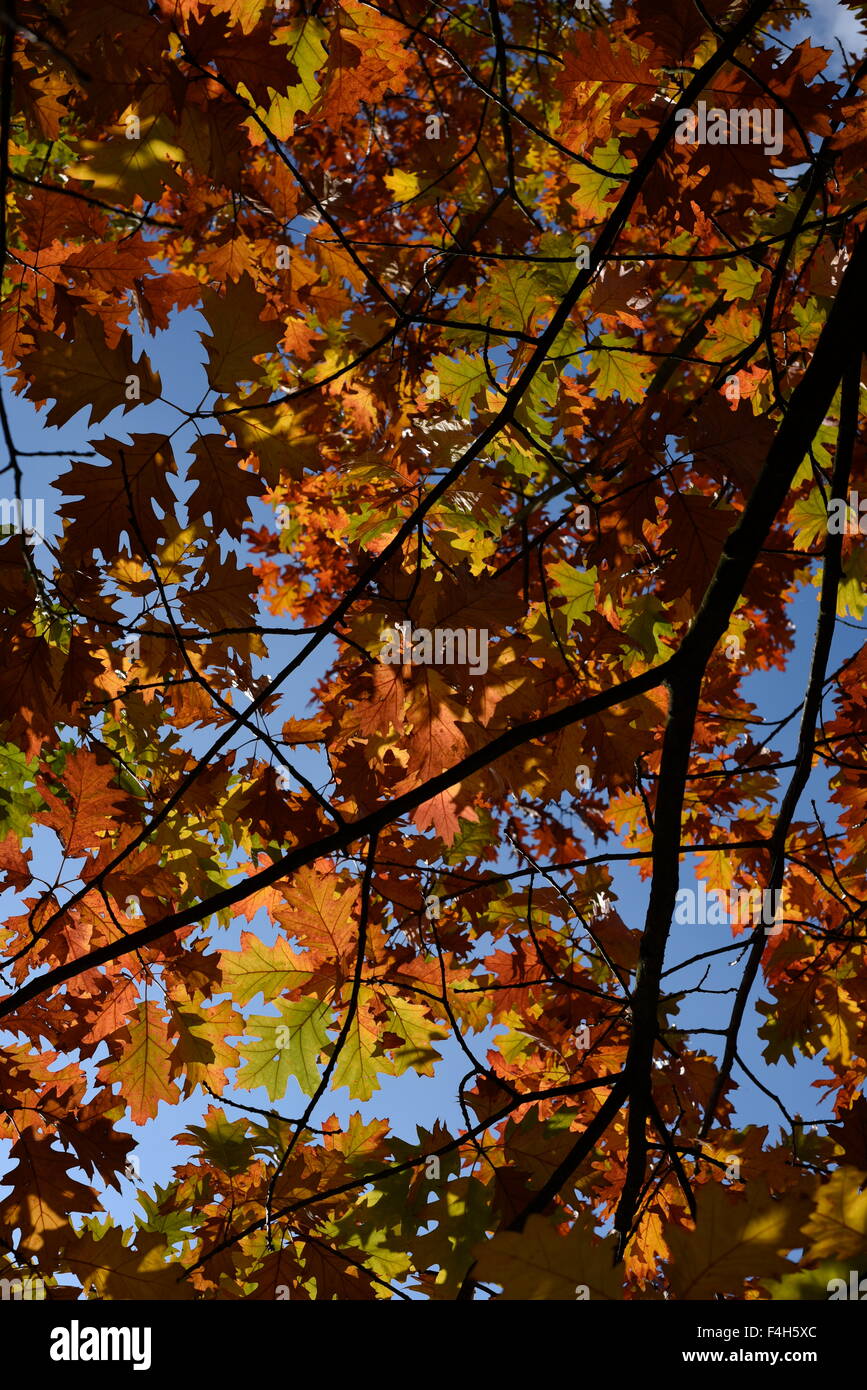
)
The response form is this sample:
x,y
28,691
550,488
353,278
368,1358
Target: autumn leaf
x,y
286,1046
91,805
592,188
620,369
135,160
110,1268
223,487
237,334
85,373
541,1263
402,185
304,38
143,1065
736,1236
837,1228
258,969
118,499
43,1194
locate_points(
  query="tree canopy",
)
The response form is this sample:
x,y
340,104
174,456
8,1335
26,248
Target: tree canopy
x,y
533,341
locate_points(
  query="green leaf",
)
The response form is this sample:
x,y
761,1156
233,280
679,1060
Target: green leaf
x,y
284,1047
628,373
510,299
307,1020
259,969
304,39
225,1143
591,188
809,516
357,1067
462,378
18,801
647,626
472,838
373,520
808,1284
160,1215
577,586
739,279
410,1022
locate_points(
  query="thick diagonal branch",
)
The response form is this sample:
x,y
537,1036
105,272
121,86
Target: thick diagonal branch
x,y
831,575
807,409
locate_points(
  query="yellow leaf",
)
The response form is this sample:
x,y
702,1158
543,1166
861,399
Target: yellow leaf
x,y
620,369
732,333
839,1021
592,189
304,40
143,1067
129,168
359,1067
540,1263
577,586
809,516
837,1228
739,280
109,1269
259,969
243,14
737,1236
403,185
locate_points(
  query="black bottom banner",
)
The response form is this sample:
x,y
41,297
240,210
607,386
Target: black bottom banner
x,y
62,1338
